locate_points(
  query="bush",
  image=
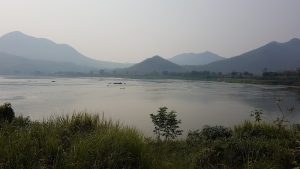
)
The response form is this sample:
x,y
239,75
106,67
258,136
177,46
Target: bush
x,y
208,133
7,113
216,132
251,145
249,153
194,138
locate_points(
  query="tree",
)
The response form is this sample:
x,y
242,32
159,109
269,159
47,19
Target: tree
x,y
6,113
166,124
281,121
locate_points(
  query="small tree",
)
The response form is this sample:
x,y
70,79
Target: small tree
x,y
281,121
257,114
166,124
6,113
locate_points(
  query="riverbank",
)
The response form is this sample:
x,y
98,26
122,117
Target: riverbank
x,y
88,141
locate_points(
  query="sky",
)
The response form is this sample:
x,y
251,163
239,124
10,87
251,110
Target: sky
x,y
132,30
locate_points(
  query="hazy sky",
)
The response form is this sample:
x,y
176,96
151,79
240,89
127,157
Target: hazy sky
x,y
131,30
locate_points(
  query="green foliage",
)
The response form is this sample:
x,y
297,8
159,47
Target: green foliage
x,y
79,141
110,149
257,114
248,153
215,132
166,124
7,113
194,138
87,141
208,133
252,145
21,121
172,154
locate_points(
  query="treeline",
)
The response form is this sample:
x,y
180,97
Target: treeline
x,y
209,75
291,77
163,74
284,74
198,74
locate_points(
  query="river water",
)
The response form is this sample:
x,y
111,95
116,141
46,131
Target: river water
x,y
198,103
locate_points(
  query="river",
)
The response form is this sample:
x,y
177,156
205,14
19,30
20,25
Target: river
x,y
198,103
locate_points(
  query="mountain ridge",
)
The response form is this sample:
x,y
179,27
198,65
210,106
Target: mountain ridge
x,y
273,56
196,58
20,44
19,65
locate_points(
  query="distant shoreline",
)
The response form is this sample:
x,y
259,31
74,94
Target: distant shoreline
x,y
290,83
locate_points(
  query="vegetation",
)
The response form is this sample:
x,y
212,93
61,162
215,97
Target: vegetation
x,y
166,124
87,141
6,113
80,141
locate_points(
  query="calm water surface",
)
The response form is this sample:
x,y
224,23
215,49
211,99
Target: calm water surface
x,y
198,103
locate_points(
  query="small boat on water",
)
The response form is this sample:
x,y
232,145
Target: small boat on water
x,y
118,83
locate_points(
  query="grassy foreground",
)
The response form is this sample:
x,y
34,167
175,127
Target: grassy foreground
x,y
86,141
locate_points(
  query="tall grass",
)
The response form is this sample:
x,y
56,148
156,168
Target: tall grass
x,y
85,141
252,145
79,141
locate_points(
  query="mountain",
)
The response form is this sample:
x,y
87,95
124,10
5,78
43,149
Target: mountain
x,y
19,44
195,58
11,64
153,64
273,56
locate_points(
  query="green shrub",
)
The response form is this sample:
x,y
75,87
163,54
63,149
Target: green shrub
x,y
7,113
208,133
238,153
216,132
252,145
194,138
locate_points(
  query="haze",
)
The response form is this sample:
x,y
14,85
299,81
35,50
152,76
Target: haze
x,y
132,30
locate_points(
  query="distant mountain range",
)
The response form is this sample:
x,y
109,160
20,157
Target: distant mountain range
x,y
27,54
195,58
273,56
18,44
